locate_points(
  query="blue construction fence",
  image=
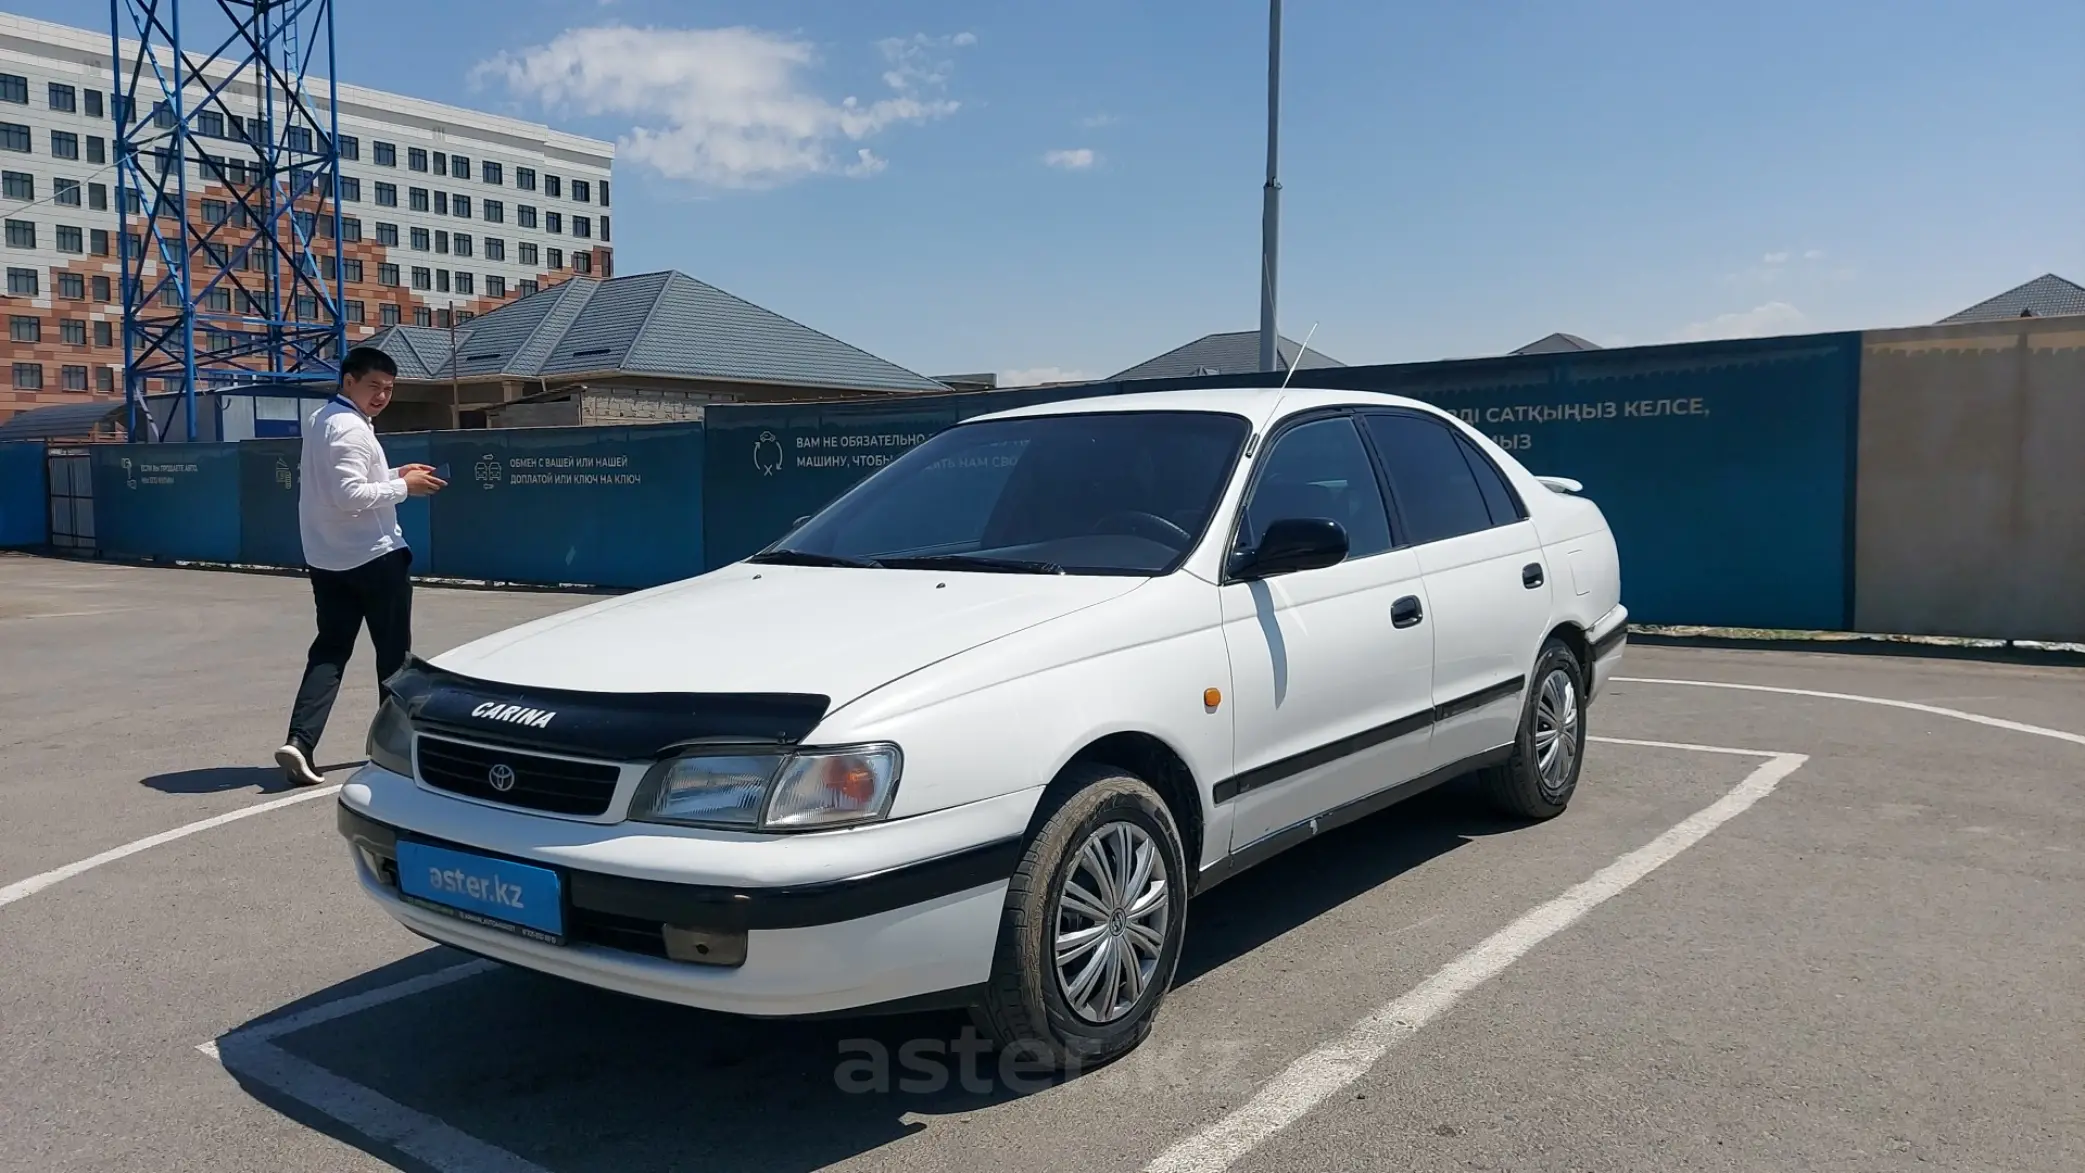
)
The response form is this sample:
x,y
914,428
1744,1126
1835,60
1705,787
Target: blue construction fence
x,y
1726,468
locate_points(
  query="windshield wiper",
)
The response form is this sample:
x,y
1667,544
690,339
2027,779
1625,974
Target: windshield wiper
x,y
972,562
807,558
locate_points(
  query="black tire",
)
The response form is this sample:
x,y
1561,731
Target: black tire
x,y
1025,1008
1518,786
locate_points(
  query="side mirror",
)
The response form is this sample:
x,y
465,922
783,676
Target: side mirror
x,y
1295,543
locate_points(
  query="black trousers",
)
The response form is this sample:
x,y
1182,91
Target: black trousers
x,y
378,593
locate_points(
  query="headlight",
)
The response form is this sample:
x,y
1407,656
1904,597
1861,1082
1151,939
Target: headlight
x,y
391,739
783,791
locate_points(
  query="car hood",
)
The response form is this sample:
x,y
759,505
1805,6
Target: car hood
x,y
835,631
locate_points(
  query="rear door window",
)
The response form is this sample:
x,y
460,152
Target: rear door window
x,y
1436,492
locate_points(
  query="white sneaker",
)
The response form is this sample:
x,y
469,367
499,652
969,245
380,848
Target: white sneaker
x,y
296,767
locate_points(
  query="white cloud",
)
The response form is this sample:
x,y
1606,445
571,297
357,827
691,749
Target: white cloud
x,y
1774,317
1030,376
1098,120
1815,254
1779,258
727,107
964,40
1075,159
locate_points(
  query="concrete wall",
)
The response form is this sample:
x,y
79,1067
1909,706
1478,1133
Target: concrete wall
x,y
1970,517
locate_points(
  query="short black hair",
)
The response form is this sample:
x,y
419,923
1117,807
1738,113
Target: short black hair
x,y
364,359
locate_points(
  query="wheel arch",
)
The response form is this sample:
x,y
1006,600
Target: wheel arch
x,y
1150,758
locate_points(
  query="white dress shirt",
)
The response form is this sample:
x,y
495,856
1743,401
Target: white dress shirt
x,y
347,503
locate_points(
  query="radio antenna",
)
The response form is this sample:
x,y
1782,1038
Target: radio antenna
x,y
1300,352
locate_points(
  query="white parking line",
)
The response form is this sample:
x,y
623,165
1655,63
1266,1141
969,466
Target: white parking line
x,y
1321,1074
1889,702
250,1053
35,884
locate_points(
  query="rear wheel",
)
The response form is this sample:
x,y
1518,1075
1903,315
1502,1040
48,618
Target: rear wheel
x,y
1093,924
1538,780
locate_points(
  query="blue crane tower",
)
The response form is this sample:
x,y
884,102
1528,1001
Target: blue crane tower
x,y
228,173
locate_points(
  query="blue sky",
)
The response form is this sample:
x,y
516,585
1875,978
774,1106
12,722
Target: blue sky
x,y
1458,178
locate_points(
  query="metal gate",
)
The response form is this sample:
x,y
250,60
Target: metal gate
x,y
71,483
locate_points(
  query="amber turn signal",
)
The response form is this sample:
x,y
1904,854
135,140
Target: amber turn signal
x,y
1211,697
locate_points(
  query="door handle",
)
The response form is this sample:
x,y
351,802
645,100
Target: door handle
x,y
1405,612
1531,575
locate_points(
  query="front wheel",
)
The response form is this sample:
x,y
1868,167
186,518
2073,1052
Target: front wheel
x,y
1538,780
1093,925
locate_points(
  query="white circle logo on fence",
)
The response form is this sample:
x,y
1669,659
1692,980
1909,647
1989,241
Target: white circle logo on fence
x,y
767,454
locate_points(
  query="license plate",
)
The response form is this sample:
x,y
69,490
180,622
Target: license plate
x,y
496,893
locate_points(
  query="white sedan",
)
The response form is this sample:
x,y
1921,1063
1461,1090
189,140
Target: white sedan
x,y
975,733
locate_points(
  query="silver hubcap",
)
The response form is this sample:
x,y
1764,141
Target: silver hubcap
x,y
1111,921
1556,729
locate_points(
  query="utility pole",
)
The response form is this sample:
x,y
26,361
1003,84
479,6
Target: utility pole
x,y
1270,219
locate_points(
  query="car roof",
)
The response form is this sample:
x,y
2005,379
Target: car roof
x,y
1261,405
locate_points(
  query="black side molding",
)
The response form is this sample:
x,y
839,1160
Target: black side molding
x,y
740,908
1611,641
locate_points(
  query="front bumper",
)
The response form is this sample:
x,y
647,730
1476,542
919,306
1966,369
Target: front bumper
x,y
852,935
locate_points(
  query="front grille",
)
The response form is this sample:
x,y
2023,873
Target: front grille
x,y
540,783
615,931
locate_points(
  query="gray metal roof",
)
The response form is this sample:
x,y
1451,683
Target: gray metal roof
x,y
662,324
2047,296
1223,354
58,420
1558,343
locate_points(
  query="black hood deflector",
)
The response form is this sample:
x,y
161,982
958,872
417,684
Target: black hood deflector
x,y
619,726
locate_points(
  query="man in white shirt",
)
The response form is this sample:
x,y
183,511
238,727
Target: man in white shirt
x,y
347,509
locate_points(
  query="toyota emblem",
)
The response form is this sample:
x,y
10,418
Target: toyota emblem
x,y
501,777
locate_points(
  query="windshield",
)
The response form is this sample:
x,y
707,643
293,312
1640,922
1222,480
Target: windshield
x,y
1102,493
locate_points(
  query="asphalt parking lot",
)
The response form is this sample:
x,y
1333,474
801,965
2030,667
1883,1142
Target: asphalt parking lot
x,y
1794,931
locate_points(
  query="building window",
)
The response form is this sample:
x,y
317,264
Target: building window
x,y
495,285
604,228
72,286
21,234
418,198
604,198
387,234
28,376
492,173
581,191
459,166
14,88
441,203
422,240
386,154
71,239
350,148
351,270
210,123
216,211
351,189
422,316
461,205
552,185
298,138
104,377
441,241
354,311
582,262
65,192
74,377
387,195
423,277
65,145
99,243
97,149
495,212
441,280
387,274
73,331
14,136
387,314
554,222
98,197
415,159
525,215
23,328
441,163
464,283
495,249
582,226
530,254
307,308
350,229
462,241
105,330
554,258
218,300
94,109
18,185
64,98
104,290
525,178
